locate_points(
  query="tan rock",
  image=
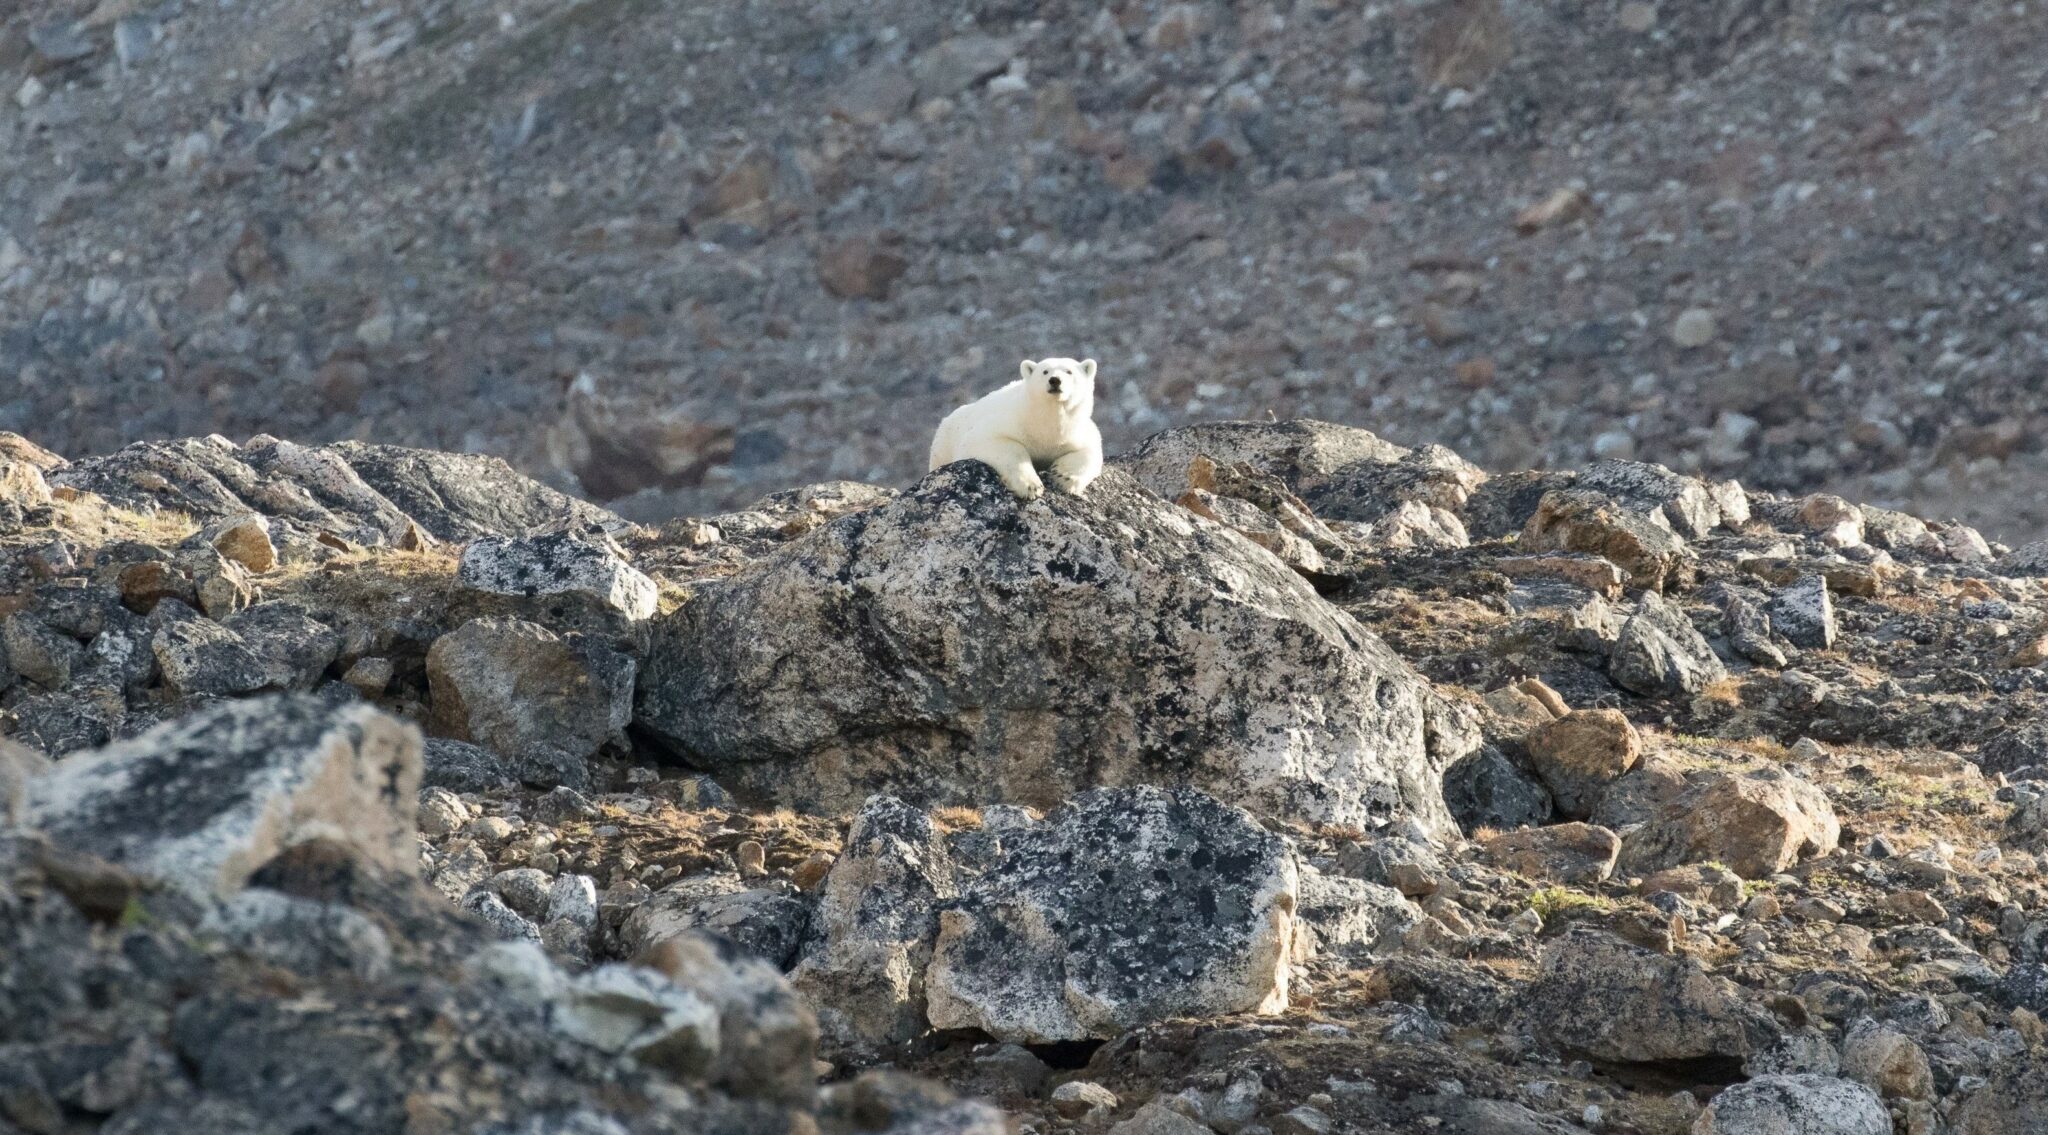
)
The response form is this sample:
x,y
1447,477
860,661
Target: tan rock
x,y
1573,521
1580,754
1756,824
1573,853
246,540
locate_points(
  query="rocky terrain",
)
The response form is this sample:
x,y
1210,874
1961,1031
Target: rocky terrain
x,y
1293,782
676,255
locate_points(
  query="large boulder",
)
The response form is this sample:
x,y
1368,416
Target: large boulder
x,y
1602,998
1126,907
545,702
1799,1104
203,801
1580,754
864,969
957,645
1758,824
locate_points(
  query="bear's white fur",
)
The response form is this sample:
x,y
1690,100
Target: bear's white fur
x,y
1040,421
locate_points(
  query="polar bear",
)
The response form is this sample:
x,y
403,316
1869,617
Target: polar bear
x,y
1042,420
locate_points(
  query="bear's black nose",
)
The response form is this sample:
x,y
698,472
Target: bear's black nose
x,y
1052,385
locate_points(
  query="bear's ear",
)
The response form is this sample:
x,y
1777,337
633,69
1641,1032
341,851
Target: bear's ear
x,y
1028,369
1088,368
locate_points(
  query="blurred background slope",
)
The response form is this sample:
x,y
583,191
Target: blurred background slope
x,y
684,253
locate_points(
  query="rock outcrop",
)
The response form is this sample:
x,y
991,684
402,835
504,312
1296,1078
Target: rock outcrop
x,y
963,647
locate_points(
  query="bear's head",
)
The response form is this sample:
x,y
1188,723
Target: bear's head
x,y
1070,383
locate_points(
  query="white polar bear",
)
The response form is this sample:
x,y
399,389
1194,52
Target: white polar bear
x,y
1040,420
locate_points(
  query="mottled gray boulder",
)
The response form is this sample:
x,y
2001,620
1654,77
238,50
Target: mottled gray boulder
x,y
961,646
203,801
545,701
368,494
502,920
863,971
1600,997
1801,1104
1661,654
1805,614
2029,560
1749,631
1685,503
1126,907
767,924
1757,824
36,651
556,564
1487,789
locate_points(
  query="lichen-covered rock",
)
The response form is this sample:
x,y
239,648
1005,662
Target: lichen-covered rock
x,y
1757,824
1580,754
1799,1104
1686,504
555,564
630,1010
864,969
204,801
1123,908
1487,789
1641,544
1602,998
1335,913
964,647
1804,614
544,701
1660,653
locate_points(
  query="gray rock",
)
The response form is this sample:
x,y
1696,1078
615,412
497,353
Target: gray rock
x,y
573,897
1581,521
1602,998
954,65
1886,1061
201,658
956,644
459,766
505,922
1749,631
1485,789
640,1013
1685,503
768,1036
525,890
295,648
1795,1105
1350,917
768,924
556,564
545,702
1126,907
1804,614
203,801
1304,454
2030,560
1660,654
1156,1118
2012,1101
38,653
863,971
302,935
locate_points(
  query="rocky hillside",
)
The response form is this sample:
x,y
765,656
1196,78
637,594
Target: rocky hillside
x,y
1293,782
679,253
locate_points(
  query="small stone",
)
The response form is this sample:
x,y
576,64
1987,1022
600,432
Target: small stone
x,y
573,897
1804,614
1838,523
1886,1061
1694,327
505,922
441,812
1077,1098
370,676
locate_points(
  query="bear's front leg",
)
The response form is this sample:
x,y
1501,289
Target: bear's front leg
x,y
1013,465
1076,469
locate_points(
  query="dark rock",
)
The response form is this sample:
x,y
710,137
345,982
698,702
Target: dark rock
x,y
554,564
1605,999
1804,614
546,702
462,767
1660,654
1485,789
1127,906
